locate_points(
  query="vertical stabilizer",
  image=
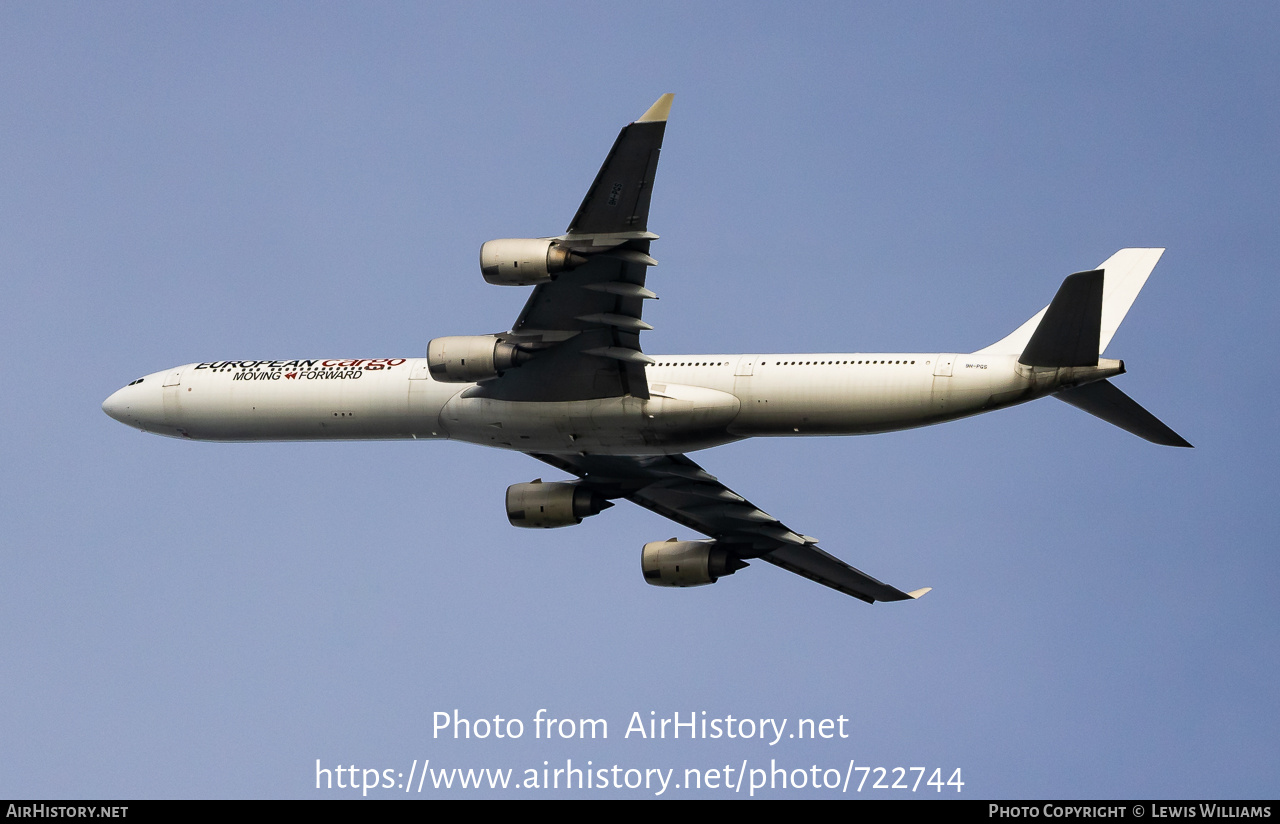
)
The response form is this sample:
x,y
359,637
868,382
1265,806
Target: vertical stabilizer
x,y
1075,329
1127,272
1124,275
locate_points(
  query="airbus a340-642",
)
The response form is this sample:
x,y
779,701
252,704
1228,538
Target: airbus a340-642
x,y
570,386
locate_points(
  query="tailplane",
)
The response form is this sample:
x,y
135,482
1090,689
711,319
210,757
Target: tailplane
x,y
1102,399
1069,331
1075,329
1126,272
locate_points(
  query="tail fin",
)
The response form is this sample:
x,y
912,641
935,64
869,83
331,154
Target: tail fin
x,y
1074,330
1125,274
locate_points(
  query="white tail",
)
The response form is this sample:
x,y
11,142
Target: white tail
x,y
1125,274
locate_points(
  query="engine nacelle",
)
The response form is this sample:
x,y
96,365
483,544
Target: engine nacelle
x,y
471,358
524,261
687,563
539,505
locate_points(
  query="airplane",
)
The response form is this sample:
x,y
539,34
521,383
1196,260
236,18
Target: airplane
x,y
570,385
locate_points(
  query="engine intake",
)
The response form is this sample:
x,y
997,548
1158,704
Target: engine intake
x,y
525,261
687,563
471,358
544,506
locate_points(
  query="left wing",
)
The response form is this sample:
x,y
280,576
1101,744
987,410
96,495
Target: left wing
x,y
583,328
677,488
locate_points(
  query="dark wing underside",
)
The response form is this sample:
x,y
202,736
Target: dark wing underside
x,y
677,488
584,327
579,336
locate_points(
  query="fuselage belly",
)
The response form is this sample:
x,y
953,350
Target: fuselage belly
x,y
696,401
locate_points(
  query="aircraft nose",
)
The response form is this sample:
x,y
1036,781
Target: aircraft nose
x,y
138,404
115,406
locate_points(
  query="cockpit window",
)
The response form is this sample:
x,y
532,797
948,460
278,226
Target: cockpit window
x,y
134,383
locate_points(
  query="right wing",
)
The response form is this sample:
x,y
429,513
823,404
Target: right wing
x,y
583,328
677,488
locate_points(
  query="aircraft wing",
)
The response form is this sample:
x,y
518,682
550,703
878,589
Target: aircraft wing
x,y
583,328
677,488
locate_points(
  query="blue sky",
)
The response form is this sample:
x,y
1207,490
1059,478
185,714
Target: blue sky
x,y
186,183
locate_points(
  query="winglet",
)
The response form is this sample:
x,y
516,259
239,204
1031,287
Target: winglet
x,y
659,111
916,593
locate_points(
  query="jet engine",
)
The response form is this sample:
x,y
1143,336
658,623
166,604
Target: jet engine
x,y
687,563
525,261
470,358
550,505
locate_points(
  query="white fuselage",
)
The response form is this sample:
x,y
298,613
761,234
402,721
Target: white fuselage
x,y
697,401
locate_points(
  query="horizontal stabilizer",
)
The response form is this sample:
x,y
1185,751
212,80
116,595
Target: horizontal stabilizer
x,y
1068,334
1105,401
